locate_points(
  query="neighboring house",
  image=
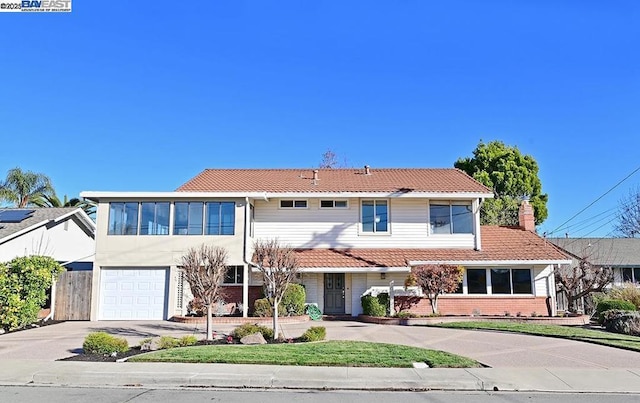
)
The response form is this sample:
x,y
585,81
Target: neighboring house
x,y
354,230
620,254
66,234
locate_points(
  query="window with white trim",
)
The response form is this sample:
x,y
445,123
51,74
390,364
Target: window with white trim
x,y
234,275
333,204
447,217
375,216
290,203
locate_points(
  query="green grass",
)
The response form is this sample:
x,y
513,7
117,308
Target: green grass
x,y
565,332
330,353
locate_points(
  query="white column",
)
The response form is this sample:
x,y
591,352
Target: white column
x,y
245,291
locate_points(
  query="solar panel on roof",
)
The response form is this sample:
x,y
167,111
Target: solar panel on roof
x,y
15,216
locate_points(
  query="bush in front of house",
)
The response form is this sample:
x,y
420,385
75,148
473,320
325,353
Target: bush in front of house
x,y
627,292
371,306
24,282
292,303
104,343
186,341
262,308
609,304
625,322
251,328
314,333
293,300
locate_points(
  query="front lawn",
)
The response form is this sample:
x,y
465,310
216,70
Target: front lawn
x,y
330,353
565,332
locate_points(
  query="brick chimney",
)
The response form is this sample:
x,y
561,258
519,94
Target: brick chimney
x,y
526,219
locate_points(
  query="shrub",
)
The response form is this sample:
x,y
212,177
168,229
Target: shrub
x,y
249,328
405,314
167,342
609,304
24,282
293,300
189,340
628,292
371,306
292,303
625,322
262,308
383,300
104,343
314,333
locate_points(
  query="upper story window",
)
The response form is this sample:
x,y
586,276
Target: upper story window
x,y
450,218
188,218
234,275
154,218
333,204
123,218
375,216
293,204
220,218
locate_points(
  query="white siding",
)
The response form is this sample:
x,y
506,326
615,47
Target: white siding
x,y
314,227
310,282
65,241
541,274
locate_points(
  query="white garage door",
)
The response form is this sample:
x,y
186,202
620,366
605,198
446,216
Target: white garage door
x,y
133,294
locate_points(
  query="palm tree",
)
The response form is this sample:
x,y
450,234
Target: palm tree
x,y
52,200
23,188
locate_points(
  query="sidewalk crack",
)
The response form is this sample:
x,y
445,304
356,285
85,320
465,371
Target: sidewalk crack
x,y
558,378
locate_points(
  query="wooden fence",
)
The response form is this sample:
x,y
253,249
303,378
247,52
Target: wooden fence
x,y
73,296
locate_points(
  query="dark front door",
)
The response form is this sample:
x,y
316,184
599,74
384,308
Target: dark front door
x,y
334,293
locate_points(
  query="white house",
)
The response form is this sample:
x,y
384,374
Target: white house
x,y
353,230
65,234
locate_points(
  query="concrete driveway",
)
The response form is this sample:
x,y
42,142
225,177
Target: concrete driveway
x,y
495,349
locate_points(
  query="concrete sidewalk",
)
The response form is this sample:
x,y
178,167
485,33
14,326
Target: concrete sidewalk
x,y
167,375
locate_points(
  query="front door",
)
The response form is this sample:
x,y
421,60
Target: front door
x,y
334,293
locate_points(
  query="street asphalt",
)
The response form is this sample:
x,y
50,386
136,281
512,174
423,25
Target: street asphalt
x,y
515,362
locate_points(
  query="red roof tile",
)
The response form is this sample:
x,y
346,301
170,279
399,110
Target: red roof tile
x,y
498,243
334,180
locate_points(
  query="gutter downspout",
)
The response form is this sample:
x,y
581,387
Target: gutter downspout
x,y
247,261
476,222
551,290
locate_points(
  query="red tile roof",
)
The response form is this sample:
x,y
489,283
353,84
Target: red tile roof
x,y
498,244
334,180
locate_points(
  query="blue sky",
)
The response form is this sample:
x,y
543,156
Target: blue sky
x,y
144,95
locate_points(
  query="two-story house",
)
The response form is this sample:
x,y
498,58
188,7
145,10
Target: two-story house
x,y
353,230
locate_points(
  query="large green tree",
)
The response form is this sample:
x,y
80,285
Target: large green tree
x,y
512,176
22,188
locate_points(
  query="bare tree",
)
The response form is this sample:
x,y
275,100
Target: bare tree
x,y
329,159
279,266
436,279
204,269
581,280
628,215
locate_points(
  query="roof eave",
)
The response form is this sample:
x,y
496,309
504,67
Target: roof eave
x,y
491,262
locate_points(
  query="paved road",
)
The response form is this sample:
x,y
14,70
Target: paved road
x,y
495,349
140,395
